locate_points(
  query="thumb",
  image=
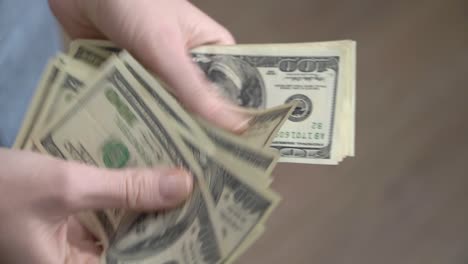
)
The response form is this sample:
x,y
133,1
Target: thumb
x,y
168,57
136,189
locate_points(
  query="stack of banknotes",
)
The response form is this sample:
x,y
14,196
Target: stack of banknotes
x,y
98,105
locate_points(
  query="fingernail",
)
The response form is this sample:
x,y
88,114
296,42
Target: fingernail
x,y
242,126
176,187
240,117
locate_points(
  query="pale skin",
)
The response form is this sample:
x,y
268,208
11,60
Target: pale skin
x,y
40,195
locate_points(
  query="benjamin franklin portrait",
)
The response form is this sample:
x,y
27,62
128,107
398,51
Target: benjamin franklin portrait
x,y
237,79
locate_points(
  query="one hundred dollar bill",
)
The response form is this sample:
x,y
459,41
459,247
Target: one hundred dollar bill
x,y
91,55
70,83
235,149
167,103
31,122
124,128
104,45
99,106
319,77
242,203
223,174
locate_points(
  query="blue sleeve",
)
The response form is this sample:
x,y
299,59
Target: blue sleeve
x,y
29,36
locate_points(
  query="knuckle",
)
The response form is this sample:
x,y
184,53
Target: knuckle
x,y
163,35
153,46
134,188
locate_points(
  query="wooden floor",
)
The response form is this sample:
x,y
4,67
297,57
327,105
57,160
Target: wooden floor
x,y
404,198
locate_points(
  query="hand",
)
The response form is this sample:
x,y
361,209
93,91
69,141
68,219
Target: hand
x,y
40,195
159,33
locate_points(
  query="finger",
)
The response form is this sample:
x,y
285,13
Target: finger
x,y
136,189
168,58
162,47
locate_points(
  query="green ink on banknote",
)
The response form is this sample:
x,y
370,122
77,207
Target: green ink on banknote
x,y
115,154
122,108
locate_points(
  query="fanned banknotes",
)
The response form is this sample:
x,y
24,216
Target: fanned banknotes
x,y
99,106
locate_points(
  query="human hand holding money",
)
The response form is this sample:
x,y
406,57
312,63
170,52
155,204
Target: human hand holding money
x,y
159,34
38,214
320,77
100,106
119,115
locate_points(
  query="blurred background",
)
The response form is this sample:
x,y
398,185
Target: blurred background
x,y
404,197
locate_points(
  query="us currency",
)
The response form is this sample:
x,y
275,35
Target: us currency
x,y
41,100
131,120
319,77
126,129
269,120
166,102
242,203
263,125
238,151
24,139
70,83
91,55
104,45
319,130
245,205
